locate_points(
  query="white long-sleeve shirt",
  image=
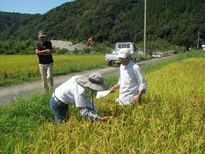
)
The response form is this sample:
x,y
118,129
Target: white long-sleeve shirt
x,y
131,81
71,92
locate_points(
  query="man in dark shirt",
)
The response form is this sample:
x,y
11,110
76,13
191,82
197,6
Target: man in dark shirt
x,y
44,50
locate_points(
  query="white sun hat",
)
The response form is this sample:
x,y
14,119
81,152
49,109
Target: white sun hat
x,y
94,81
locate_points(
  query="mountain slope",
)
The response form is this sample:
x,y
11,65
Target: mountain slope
x,y
177,21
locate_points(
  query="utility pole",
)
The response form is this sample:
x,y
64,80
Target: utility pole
x,y
198,40
145,25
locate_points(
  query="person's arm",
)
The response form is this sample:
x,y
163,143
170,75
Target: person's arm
x,y
93,117
142,85
116,86
47,51
80,102
138,97
43,52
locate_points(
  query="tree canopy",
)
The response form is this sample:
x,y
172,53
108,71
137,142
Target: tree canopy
x,y
178,22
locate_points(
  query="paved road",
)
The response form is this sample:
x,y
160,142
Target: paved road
x,y
13,92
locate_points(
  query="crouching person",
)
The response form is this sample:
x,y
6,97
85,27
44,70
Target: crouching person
x,y
73,91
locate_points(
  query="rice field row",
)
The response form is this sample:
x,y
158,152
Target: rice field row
x,y
19,68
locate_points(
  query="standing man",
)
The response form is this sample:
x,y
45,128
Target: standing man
x,y
132,83
44,50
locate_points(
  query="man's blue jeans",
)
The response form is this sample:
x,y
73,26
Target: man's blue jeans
x,y
60,111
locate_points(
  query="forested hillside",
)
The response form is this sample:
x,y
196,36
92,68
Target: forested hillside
x,y
178,21
9,20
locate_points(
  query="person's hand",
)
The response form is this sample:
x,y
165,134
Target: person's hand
x,y
137,103
105,118
137,100
48,52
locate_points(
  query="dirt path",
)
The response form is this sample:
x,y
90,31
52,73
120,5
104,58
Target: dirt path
x,y
13,92
7,94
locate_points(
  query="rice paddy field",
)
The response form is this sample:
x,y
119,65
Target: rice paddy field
x,y
16,69
171,119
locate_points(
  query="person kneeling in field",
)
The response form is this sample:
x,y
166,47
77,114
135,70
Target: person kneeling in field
x,y
73,91
132,83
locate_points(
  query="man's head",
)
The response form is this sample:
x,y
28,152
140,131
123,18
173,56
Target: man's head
x,y
124,55
41,34
94,81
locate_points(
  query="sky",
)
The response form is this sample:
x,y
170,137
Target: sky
x,y
30,6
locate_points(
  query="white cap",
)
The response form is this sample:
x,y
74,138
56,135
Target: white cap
x,y
123,53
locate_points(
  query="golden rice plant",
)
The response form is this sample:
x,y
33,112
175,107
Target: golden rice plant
x,y
19,68
15,66
170,120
